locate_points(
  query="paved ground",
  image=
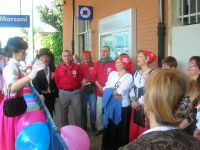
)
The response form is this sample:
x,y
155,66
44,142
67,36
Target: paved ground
x,y
95,141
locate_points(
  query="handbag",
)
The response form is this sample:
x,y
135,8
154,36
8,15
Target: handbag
x,y
139,116
13,107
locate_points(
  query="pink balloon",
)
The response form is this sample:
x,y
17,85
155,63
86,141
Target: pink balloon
x,y
75,137
29,118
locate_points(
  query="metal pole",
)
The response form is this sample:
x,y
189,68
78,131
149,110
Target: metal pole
x,y
73,13
30,37
20,6
161,34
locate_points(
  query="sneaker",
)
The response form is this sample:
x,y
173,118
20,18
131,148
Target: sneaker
x,y
98,132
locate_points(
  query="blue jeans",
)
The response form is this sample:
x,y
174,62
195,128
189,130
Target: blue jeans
x,y
91,98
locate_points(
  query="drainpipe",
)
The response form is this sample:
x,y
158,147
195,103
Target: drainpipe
x,y
73,13
161,33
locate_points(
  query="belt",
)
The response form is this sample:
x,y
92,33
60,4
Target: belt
x,y
67,89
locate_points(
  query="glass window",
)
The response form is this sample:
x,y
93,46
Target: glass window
x,y
188,11
198,18
118,43
185,7
198,6
192,6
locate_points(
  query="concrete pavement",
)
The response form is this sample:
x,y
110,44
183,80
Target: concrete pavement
x,y
95,141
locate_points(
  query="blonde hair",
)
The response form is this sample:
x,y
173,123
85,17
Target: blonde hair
x,y
164,89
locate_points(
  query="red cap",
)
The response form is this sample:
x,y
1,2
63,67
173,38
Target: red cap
x,y
127,62
151,57
86,53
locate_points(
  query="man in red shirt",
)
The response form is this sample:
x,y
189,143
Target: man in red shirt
x,y
68,80
88,90
101,71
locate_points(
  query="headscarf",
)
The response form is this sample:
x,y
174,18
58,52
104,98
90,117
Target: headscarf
x,y
86,53
151,57
127,62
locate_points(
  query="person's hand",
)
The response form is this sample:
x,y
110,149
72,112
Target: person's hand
x,y
83,82
184,124
197,134
116,95
42,97
101,88
39,65
135,104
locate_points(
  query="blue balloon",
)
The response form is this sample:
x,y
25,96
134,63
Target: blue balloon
x,y
33,137
26,96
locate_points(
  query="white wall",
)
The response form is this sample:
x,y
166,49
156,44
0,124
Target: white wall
x,y
185,43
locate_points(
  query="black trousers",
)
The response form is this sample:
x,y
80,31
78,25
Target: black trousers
x,y
115,136
50,101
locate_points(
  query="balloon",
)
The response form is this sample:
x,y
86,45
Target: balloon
x,y
75,138
26,90
26,96
32,106
29,118
29,100
35,136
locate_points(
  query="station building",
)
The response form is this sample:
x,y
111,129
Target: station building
x,y
166,27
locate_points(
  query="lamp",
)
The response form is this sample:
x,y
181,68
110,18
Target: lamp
x,y
62,2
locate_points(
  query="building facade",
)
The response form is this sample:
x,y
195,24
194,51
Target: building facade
x,y
130,25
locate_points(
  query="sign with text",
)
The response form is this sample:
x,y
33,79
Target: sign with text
x,y
14,21
85,12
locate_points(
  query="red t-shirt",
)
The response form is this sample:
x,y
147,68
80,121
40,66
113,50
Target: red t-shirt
x,y
101,72
87,71
68,77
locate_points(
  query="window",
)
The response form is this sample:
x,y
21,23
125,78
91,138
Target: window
x,y
84,35
117,41
188,11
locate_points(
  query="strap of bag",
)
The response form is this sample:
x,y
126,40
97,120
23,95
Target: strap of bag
x,y
119,79
8,91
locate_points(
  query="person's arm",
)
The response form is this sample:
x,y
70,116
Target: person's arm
x,y
21,82
99,85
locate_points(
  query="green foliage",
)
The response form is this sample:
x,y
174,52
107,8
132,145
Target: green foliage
x,y
53,16
54,43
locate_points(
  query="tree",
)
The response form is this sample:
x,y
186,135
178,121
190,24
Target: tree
x,y
53,16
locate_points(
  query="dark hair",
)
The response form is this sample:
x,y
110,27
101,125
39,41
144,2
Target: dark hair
x,y
43,51
15,45
107,47
197,60
170,61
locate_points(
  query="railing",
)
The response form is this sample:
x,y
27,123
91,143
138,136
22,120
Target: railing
x,y
56,142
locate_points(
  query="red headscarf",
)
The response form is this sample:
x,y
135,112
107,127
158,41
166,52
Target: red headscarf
x,y
151,57
127,62
86,53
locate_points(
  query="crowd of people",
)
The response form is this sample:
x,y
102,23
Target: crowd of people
x,y
134,108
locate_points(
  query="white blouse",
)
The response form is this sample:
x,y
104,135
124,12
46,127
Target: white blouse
x,y
160,128
138,82
11,73
122,85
